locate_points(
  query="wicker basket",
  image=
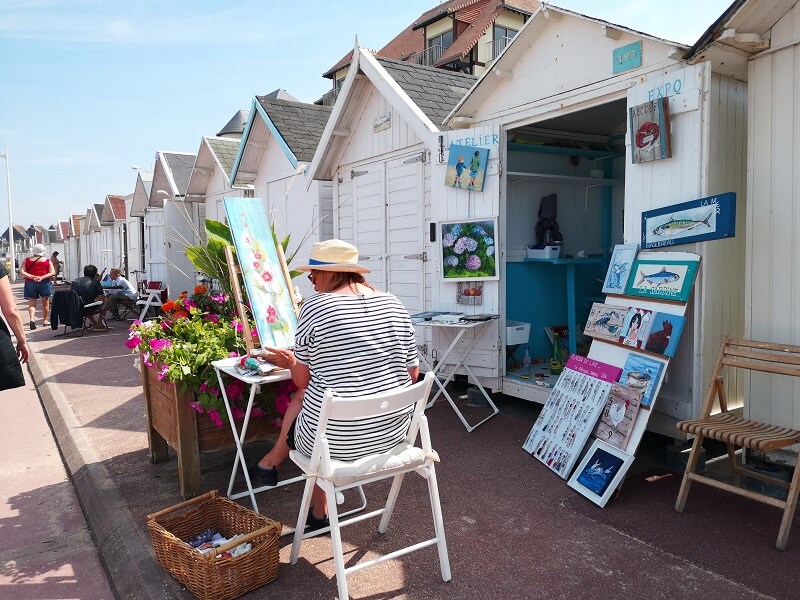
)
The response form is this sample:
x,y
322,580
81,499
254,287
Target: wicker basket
x,y
205,575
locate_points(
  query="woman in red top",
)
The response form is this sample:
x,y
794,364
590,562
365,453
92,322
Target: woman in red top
x,y
38,273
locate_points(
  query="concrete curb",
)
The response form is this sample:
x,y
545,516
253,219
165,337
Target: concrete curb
x,y
127,554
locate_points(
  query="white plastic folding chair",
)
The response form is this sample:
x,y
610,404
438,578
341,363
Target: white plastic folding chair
x,y
333,476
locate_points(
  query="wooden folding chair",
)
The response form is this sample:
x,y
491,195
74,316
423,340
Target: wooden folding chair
x,y
734,431
333,476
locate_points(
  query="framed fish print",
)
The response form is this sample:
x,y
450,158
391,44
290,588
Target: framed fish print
x,y
619,268
468,250
665,333
662,279
265,278
600,472
605,321
701,220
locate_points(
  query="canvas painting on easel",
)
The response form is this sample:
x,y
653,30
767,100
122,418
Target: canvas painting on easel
x,y
265,277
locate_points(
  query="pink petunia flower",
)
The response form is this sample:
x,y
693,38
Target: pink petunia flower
x,y
238,413
257,412
214,318
197,406
158,345
203,387
148,360
133,342
162,372
214,416
237,325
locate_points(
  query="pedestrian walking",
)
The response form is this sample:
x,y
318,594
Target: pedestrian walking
x,y
38,273
10,369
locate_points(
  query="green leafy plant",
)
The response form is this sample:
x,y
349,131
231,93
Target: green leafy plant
x,y
195,331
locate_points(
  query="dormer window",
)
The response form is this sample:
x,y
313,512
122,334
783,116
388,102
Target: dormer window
x,y
443,40
502,38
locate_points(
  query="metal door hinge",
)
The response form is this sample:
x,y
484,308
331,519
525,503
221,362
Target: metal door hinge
x,y
423,256
418,158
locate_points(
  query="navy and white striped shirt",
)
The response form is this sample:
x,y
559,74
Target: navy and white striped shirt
x,y
357,346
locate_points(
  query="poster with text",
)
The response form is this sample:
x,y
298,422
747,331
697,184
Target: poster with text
x,y
570,413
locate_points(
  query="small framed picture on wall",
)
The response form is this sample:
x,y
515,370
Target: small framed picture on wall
x,y
468,249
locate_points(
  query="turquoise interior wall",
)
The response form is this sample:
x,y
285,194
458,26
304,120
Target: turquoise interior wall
x,y
536,293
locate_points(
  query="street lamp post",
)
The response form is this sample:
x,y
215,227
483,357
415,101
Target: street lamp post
x,y
13,274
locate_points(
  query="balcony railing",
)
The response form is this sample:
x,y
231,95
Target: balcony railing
x,y
428,57
329,98
497,46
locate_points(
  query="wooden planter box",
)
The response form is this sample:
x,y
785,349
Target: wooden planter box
x,y
170,420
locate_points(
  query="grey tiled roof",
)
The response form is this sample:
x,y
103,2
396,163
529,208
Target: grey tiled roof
x,y
435,91
225,151
236,124
181,167
98,208
300,124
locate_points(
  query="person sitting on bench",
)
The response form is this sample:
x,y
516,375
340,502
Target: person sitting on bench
x,y
116,296
90,290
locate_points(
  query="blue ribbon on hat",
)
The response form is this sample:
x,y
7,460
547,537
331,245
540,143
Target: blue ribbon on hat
x,y
314,261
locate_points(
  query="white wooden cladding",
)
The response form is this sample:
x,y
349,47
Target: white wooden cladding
x,y
772,302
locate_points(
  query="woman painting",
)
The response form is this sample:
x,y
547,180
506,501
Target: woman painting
x,y
350,338
10,371
38,272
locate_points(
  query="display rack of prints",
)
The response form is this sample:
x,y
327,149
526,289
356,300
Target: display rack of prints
x,y
600,472
616,421
662,279
619,268
665,333
605,321
570,413
643,373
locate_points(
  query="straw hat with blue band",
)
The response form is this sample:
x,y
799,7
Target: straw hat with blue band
x,y
333,255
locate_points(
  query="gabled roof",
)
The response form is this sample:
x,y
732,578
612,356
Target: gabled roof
x,y
435,91
113,209
418,94
742,31
52,235
63,229
215,154
171,175
235,126
517,48
224,152
295,126
20,234
300,125
75,226
141,193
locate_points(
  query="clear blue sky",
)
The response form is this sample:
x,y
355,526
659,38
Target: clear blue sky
x,y
90,87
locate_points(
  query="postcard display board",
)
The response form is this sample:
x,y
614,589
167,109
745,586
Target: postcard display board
x,y
604,401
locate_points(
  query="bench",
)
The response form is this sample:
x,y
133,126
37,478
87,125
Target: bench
x,y
735,431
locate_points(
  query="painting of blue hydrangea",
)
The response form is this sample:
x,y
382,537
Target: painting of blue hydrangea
x,y
468,250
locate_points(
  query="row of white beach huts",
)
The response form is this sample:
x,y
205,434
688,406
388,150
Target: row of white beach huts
x,y
552,110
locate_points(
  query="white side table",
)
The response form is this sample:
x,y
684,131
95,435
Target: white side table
x,y
455,332
226,366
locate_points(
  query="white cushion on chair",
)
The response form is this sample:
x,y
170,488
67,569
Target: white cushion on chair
x,y
342,472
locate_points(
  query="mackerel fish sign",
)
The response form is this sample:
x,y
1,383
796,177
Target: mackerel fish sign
x,y
701,220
